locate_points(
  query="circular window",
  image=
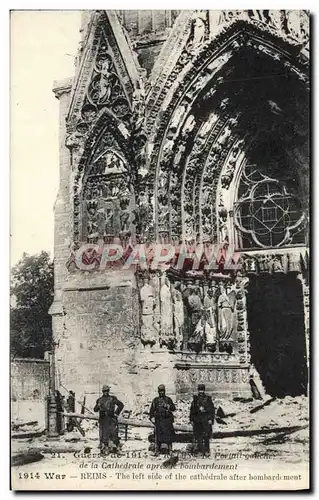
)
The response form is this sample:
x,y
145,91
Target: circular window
x,y
267,215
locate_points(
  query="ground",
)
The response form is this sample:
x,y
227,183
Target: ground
x,y
277,460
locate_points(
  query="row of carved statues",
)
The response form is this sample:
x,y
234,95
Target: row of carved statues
x,y
188,316
294,23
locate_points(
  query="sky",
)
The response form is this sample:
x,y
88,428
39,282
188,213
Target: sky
x,y
43,46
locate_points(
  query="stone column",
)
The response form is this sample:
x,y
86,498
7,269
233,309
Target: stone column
x,y
51,399
62,206
242,323
62,239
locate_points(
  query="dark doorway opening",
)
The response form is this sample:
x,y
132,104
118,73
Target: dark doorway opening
x,y
277,337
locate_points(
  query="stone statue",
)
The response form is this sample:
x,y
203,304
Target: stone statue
x,y
178,315
304,25
189,125
293,23
168,147
92,223
102,215
294,263
227,177
177,117
125,221
89,113
226,306
198,37
200,83
113,164
167,332
277,265
250,264
199,290
189,227
196,325
207,125
148,330
71,262
224,138
105,86
124,131
223,229
210,321
275,19
226,16
263,264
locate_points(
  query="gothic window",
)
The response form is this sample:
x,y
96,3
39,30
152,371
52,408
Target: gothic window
x,y
107,199
268,213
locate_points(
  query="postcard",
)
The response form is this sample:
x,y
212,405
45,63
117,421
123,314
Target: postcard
x,y
160,250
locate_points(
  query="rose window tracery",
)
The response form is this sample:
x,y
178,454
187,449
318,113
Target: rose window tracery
x,y
268,213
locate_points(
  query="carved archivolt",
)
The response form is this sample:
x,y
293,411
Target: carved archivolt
x,y
106,136
184,176
246,35
286,27
179,166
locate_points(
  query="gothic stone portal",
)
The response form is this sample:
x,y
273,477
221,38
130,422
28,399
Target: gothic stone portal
x,y
176,130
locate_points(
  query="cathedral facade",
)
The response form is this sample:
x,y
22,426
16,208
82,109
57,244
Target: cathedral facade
x,y
181,221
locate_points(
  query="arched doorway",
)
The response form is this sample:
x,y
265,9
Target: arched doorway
x,y
235,110
277,337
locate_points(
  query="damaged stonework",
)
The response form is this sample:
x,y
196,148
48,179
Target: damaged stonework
x,y
175,131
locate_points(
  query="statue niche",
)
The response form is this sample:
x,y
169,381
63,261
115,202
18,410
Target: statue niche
x,y
149,334
209,316
226,317
108,199
196,315
178,314
166,332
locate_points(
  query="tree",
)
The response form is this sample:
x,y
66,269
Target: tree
x,y
32,296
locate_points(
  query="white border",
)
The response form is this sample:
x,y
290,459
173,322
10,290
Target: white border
x,y
4,185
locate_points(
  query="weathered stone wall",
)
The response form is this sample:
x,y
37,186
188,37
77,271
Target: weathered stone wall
x,y
226,381
29,379
96,317
63,207
99,342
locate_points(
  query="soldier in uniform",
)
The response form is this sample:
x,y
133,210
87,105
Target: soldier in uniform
x,y
202,413
161,415
110,408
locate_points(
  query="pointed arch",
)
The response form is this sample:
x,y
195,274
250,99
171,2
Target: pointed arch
x,y
103,183
105,43
104,120
292,27
201,84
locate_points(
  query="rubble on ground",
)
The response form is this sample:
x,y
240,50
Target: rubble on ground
x,y
281,412
288,412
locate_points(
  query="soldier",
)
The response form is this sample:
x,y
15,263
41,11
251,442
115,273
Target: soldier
x,y
202,415
161,415
110,408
